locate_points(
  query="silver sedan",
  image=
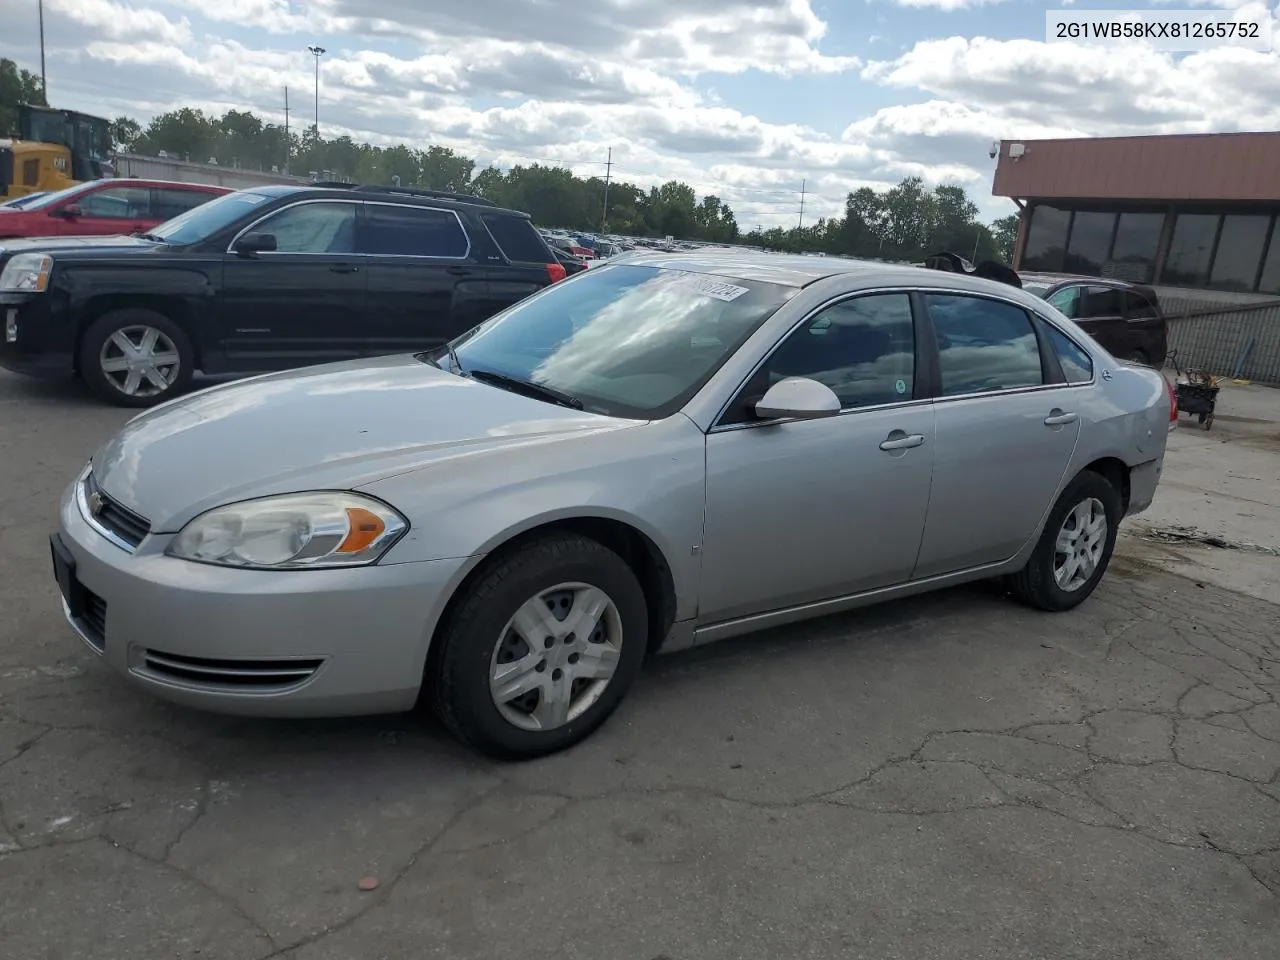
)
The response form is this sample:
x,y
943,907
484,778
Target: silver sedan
x,y
655,454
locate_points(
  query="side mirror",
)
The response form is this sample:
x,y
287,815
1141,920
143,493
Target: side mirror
x,y
252,243
71,211
798,398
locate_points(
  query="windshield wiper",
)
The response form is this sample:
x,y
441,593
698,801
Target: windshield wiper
x,y
528,386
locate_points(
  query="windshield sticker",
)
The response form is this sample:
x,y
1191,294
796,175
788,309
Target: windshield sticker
x,y
718,289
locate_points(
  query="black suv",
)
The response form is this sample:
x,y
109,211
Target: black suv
x,y
264,279
1124,317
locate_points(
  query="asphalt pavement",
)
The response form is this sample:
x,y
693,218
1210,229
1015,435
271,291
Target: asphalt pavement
x,y
947,777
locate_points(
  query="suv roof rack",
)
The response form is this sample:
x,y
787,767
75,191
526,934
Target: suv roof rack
x,y
407,192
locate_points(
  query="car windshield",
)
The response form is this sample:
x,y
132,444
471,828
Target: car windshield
x,y
19,202
625,341
204,221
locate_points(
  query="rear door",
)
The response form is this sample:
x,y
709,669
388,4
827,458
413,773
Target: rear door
x,y
1006,427
302,303
105,211
1145,328
424,277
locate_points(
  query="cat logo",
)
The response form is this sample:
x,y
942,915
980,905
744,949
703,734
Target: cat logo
x,y
60,164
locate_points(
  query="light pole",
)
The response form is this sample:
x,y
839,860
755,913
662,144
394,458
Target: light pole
x,y
317,52
44,84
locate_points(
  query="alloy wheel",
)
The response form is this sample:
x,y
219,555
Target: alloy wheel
x,y
1081,541
140,361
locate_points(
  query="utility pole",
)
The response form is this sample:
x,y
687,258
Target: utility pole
x,y
44,83
317,52
608,169
287,143
800,225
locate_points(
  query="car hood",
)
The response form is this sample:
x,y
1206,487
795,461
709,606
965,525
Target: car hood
x,y
337,426
54,244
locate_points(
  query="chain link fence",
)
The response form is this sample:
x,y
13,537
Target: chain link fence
x,y
1224,336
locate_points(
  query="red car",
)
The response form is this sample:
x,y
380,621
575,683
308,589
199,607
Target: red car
x,y
104,208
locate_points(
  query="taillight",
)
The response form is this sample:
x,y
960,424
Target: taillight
x,y
1173,401
556,272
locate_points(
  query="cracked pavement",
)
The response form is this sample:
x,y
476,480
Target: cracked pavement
x,y
948,777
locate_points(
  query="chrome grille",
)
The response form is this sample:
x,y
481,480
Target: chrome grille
x,y
114,517
262,676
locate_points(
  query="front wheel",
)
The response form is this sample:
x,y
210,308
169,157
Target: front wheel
x,y
1075,548
541,649
135,357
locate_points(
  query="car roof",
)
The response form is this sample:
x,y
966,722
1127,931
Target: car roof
x,y
381,195
1061,279
799,270
148,182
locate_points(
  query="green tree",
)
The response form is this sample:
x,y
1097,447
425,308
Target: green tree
x,y
17,86
1004,234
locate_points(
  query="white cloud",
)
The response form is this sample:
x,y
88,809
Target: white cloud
x,y
517,80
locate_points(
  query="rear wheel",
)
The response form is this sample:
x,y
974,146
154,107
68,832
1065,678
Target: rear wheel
x,y
1075,548
541,649
136,357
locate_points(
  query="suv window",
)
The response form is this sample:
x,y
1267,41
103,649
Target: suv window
x,y
863,349
1104,302
117,202
412,232
1077,366
516,238
326,227
983,345
1138,307
169,202
1067,301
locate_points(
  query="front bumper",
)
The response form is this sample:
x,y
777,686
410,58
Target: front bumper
x,y
305,643
30,342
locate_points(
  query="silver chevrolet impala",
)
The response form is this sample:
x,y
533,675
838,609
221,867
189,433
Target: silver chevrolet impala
x,y
655,454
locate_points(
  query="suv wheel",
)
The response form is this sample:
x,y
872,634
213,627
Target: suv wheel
x,y
135,357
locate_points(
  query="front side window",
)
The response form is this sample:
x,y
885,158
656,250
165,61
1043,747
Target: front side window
x,y
1067,301
983,345
120,203
627,341
412,232
313,228
863,349
1077,366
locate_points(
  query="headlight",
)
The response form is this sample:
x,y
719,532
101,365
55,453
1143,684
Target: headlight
x,y
293,532
27,273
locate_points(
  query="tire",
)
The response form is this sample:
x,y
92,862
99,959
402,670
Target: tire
x,y
1037,583
478,638
103,359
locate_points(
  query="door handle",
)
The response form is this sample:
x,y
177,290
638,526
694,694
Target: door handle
x,y
344,268
458,271
902,441
1057,418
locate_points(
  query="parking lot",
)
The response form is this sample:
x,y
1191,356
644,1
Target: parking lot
x,y
947,777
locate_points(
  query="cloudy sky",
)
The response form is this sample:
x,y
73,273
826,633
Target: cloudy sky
x,y
743,98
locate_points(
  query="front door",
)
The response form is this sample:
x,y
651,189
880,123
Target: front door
x,y
1003,439
801,511
302,303
423,278
109,211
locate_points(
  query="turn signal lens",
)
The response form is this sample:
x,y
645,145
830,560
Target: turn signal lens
x,y
364,529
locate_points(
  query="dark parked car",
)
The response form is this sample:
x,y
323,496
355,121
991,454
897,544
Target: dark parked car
x,y
570,263
1124,317
264,279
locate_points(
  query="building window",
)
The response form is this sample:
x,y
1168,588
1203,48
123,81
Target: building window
x,y
1271,267
1190,250
1133,257
1090,244
1240,245
1046,246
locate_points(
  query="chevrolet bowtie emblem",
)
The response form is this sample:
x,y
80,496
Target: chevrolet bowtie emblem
x,y
96,503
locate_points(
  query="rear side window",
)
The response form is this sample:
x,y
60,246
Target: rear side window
x,y
1138,307
1076,364
169,202
983,345
413,232
1104,302
516,238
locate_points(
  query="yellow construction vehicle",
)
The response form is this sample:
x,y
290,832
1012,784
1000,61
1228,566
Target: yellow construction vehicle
x,y
54,149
